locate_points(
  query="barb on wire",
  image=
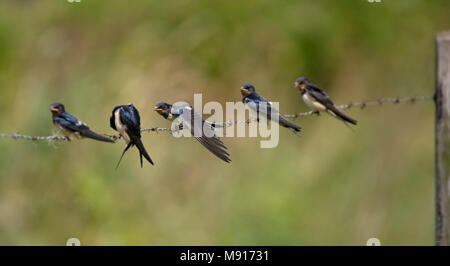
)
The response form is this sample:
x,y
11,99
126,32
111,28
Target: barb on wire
x,y
360,105
365,104
230,123
35,138
51,138
150,129
157,129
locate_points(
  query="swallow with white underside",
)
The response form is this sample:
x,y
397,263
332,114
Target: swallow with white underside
x,y
71,126
126,120
319,101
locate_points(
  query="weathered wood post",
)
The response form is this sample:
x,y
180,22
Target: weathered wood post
x,y
443,139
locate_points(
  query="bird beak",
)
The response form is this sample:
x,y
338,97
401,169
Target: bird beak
x,y
53,109
300,86
244,91
157,109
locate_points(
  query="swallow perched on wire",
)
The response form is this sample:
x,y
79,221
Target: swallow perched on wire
x,y
264,108
126,120
317,99
71,126
203,132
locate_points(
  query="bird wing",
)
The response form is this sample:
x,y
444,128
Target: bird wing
x,y
129,116
257,103
254,101
320,96
267,110
70,122
204,133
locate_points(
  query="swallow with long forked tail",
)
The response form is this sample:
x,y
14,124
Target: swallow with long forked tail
x,y
126,120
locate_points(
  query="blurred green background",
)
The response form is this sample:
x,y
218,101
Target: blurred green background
x,y
330,186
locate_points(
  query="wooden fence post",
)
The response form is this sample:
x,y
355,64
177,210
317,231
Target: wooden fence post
x,y
443,139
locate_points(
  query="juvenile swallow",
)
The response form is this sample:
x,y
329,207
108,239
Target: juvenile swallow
x,y
317,99
71,126
255,102
126,120
203,133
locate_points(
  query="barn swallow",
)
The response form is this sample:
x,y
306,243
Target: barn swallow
x,y
204,134
126,120
317,99
254,101
71,126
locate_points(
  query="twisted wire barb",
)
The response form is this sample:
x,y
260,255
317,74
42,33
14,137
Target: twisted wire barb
x,y
230,123
365,104
157,129
360,105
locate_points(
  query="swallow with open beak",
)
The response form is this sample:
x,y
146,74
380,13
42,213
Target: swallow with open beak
x,y
264,108
200,130
126,120
319,101
70,126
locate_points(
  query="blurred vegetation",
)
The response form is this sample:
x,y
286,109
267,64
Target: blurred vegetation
x,y
331,186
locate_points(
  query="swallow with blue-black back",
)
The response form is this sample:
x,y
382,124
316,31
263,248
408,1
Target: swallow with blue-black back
x,y
319,101
201,130
126,120
264,108
70,126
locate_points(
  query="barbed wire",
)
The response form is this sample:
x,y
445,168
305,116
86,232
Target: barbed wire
x,y
364,104
34,138
361,105
157,129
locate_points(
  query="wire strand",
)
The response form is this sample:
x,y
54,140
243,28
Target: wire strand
x,y
361,105
34,138
364,104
